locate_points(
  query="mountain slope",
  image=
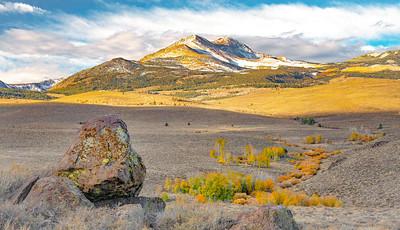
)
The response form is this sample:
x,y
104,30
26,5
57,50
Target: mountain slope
x,y
384,58
125,75
223,54
39,86
3,85
372,65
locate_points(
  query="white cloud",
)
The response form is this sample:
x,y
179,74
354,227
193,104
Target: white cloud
x,y
19,7
293,30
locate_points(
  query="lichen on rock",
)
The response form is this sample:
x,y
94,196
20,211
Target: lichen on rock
x,y
102,162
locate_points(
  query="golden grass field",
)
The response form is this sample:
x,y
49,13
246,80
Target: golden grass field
x,y
115,98
341,95
17,101
371,69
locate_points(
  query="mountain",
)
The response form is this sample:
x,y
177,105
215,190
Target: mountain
x,y
3,85
193,63
125,75
39,87
224,54
121,74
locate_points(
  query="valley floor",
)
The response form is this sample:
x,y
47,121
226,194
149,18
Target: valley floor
x,y
35,136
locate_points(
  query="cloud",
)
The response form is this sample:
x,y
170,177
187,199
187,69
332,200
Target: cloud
x,y
297,31
19,7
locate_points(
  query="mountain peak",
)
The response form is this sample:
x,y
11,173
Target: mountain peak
x,y
223,54
192,38
226,41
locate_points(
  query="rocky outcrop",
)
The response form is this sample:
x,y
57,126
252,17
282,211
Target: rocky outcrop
x,y
52,193
102,162
267,218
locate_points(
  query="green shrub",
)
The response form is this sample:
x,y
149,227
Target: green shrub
x,y
307,120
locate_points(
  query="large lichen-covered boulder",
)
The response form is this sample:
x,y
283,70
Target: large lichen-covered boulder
x,y
267,218
55,193
102,162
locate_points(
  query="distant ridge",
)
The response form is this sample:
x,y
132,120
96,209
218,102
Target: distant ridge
x,y
3,85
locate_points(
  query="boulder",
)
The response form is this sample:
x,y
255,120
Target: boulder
x,y
55,193
267,218
24,190
102,162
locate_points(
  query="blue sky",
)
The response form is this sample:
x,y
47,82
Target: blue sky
x,y
41,39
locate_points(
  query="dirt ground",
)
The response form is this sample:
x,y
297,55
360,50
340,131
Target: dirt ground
x,y
36,136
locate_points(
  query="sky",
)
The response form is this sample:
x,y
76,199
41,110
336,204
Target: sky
x,y
50,39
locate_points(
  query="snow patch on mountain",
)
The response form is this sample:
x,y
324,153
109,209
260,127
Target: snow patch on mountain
x,y
39,86
226,54
3,85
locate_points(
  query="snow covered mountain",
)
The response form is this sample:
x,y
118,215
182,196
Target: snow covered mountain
x,y
3,85
39,87
224,54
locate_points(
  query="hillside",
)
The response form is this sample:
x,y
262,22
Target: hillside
x,y
372,65
341,95
125,75
3,85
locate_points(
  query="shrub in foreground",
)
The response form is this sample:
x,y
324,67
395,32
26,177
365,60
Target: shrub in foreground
x,y
243,189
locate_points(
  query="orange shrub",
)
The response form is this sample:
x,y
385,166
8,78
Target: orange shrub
x,y
331,201
282,178
262,197
264,185
201,199
354,136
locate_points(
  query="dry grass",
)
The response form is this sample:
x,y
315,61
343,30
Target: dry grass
x,y
17,217
341,95
18,101
193,215
115,98
371,69
12,178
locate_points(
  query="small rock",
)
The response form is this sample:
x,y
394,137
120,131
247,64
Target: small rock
x,y
55,193
102,162
267,218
